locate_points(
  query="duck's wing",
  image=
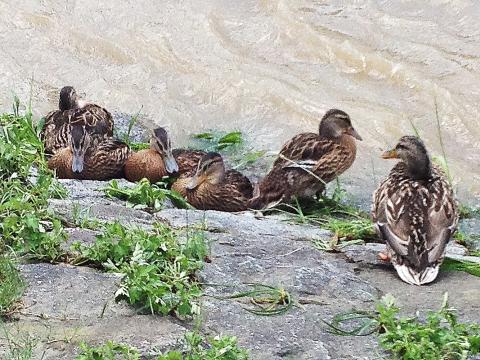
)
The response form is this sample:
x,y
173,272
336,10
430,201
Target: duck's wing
x,y
241,183
187,160
97,120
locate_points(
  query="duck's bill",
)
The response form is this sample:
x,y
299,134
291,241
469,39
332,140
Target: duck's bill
x,y
77,163
390,154
170,164
354,133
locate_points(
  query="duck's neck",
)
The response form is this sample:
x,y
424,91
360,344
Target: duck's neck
x,y
419,168
67,104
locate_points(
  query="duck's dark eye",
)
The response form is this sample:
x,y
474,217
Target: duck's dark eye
x,y
400,147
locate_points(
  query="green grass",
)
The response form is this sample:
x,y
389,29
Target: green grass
x,y
11,285
19,345
26,185
146,196
158,266
440,336
348,223
264,300
465,266
197,347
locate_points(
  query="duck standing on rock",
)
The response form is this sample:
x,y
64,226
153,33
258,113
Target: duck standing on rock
x,y
160,160
213,188
83,159
309,161
414,212
55,132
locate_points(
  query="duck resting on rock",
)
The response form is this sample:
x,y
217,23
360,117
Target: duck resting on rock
x,y
415,213
309,161
160,160
55,132
213,188
83,159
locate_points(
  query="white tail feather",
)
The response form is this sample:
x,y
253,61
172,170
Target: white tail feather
x,y
412,277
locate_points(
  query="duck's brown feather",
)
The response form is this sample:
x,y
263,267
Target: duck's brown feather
x,y
102,162
55,132
305,164
416,218
187,160
230,195
147,164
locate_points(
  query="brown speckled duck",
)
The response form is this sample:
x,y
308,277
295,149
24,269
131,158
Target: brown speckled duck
x,y
154,163
415,213
308,161
160,160
211,188
84,160
55,133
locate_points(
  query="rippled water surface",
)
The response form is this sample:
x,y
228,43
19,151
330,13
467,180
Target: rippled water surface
x,y
269,68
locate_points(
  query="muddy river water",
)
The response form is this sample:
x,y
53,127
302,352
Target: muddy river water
x,y
268,67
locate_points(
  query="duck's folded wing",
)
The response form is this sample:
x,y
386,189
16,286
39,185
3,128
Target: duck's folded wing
x,y
305,151
443,220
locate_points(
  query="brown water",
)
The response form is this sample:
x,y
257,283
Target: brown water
x,y
270,68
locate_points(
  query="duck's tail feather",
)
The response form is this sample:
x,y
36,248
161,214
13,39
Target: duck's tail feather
x,y
413,277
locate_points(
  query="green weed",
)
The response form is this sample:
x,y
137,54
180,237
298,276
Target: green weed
x,y
230,144
465,266
19,345
265,299
349,224
159,269
11,285
108,351
25,187
439,337
197,347
146,196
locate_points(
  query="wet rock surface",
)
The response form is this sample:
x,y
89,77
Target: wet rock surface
x,y
65,305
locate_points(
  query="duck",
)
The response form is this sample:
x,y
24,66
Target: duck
x,y
160,160
414,212
85,160
55,130
213,188
309,161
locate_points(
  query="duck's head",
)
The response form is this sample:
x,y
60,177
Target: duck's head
x,y
160,142
411,150
335,124
79,143
68,98
210,170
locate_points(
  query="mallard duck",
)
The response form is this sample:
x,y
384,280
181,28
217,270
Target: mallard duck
x,y
415,212
211,188
309,161
160,160
83,160
154,163
55,132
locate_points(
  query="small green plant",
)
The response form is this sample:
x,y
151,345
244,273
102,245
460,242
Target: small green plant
x,y
465,266
19,344
159,269
230,144
348,224
439,337
468,212
146,196
11,285
108,351
197,347
265,299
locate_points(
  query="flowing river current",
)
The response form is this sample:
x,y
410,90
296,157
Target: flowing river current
x,y
270,68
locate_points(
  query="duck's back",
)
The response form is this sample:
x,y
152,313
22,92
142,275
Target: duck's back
x,y
187,160
145,164
416,219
